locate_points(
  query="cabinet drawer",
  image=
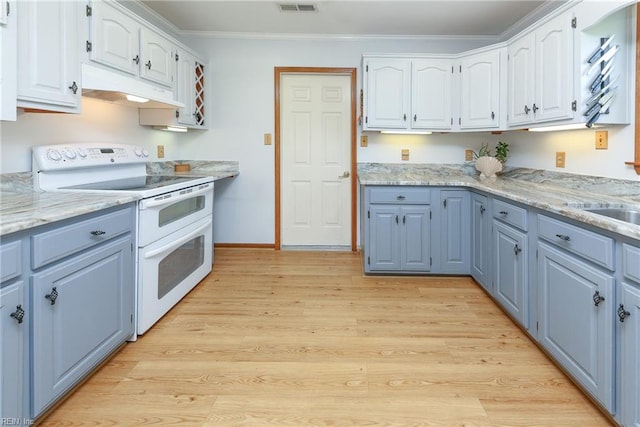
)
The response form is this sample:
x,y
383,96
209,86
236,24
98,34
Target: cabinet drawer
x,y
420,195
631,262
589,245
511,214
10,260
63,241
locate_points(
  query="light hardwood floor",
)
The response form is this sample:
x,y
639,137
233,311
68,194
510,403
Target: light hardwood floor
x,y
303,339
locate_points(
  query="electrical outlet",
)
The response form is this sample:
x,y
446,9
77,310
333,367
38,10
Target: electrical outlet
x,y
405,154
267,139
364,141
602,140
468,155
560,159
161,151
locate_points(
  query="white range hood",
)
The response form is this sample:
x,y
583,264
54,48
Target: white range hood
x,y
113,87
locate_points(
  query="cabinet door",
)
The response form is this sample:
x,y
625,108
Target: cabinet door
x,y
185,87
115,38
157,56
12,336
520,81
415,238
630,349
480,90
554,70
384,244
576,331
431,83
48,63
388,93
481,241
510,271
454,249
82,311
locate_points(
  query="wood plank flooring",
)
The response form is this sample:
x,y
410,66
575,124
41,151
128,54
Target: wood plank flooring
x,y
304,339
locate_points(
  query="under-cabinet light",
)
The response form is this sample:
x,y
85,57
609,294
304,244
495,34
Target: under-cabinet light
x,y
573,126
134,98
171,128
405,132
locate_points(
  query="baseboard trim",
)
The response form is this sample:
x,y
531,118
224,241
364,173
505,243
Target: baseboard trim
x,y
245,245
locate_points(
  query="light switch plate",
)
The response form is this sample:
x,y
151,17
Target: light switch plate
x,y
267,139
602,140
560,159
468,155
161,151
364,141
405,154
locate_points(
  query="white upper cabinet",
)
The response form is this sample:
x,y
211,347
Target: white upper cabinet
x,y
480,91
157,55
8,59
190,86
48,60
115,38
405,94
541,74
431,82
119,41
388,93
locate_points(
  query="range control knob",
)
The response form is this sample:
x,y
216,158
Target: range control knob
x,y
138,151
145,153
82,153
54,155
70,154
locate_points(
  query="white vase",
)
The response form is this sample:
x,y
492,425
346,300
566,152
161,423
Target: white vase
x,y
488,166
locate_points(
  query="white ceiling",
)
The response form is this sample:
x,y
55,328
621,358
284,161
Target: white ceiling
x,y
479,18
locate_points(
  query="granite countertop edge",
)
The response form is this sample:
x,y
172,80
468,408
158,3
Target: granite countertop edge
x,y
559,197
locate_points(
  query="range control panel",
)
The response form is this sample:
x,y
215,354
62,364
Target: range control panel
x,y
69,156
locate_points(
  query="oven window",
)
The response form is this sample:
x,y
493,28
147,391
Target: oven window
x,y
180,210
179,264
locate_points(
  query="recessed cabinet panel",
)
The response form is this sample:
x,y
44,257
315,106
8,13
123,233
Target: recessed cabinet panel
x,y
384,244
115,38
521,81
481,241
157,57
185,87
431,82
415,237
455,231
630,349
12,359
480,90
388,93
576,314
48,63
511,271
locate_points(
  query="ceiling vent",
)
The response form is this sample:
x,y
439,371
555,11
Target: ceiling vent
x,y
293,7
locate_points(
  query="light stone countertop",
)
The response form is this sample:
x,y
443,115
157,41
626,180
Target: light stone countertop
x,y
22,208
564,194
20,211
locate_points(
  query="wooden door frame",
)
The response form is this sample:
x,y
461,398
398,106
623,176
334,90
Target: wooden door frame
x,y
351,72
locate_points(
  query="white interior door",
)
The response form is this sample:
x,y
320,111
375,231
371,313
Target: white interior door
x,y
315,123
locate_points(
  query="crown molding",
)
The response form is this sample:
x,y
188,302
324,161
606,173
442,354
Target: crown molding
x,y
548,8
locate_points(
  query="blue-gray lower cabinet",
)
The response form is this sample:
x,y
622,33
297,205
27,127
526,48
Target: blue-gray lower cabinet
x,y
399,238
628,316
455,251
481,241
82,311
576,315
13,334
511,271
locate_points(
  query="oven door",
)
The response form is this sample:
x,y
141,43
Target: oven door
x,y
169,268
167,213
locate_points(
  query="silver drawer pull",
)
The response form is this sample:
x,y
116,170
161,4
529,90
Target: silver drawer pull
x,y
400,197
563,237
98,232
504,213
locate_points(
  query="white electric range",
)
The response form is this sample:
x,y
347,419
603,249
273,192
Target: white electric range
x,y
174,216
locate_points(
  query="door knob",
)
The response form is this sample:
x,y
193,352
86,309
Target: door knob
x,y
346,174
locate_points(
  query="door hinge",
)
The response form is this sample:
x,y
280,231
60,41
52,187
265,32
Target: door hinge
x,y
461,68
536,254
451,121
368,260
459,120
368,214
132,247
444,203
366,119
574,23
430,261
177,57
89,10
131,318
430,214
537,326
177,114
367,68
452,69
574,105
8,8
89,46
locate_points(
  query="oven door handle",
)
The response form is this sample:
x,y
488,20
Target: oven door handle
x,y
177,243
152,203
